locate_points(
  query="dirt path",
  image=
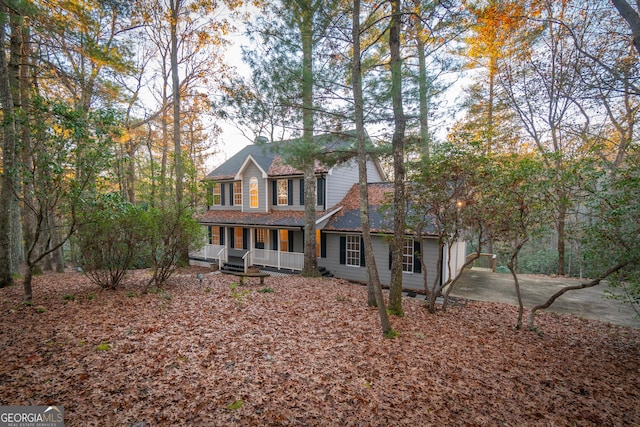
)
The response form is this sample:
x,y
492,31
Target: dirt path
x,y
482,285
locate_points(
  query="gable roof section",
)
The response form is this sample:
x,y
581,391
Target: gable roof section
x,y
262,156
271,163
246,163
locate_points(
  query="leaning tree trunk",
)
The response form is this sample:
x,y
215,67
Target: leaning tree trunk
x,y
558,294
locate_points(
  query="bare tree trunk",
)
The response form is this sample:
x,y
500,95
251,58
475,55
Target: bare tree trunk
x,y
310,267
9,178
374,288
512,265
175,6
423,88
57,255
15,65
152,196
451,284
131,171
165,150
431,292
395,293
560,227
28,220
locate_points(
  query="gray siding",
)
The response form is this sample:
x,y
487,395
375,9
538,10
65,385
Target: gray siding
x,y
381,250
298,241
342,177
296,206
458,258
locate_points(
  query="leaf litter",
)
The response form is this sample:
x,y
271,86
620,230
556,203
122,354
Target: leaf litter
x,y
308,353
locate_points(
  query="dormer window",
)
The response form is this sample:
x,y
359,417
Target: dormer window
x,y
253,192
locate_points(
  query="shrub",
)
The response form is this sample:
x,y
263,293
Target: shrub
x,y
115,236
171,231
111,234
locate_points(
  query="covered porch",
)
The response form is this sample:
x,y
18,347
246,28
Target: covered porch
x,y
281,248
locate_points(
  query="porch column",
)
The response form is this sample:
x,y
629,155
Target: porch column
x,y
251,243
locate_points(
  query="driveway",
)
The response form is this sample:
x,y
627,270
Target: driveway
x,y
484,285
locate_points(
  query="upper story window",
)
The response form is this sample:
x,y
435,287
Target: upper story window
x,y
217,194
237,193
283,192
253,192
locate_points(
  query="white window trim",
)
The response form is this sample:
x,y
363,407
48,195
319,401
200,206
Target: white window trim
x,y
286,192
355,254
405,245
251,181
219,194
237,195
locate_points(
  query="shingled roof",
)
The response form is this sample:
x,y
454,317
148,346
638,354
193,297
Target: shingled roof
x,y
380,216
265,219
269,160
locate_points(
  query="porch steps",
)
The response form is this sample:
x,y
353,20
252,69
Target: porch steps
x,y
230,267
324,272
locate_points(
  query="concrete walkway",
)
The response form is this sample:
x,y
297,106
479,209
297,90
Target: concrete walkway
x,y
484,285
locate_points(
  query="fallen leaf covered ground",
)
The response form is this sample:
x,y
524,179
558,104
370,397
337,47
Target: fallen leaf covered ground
x,y
308,353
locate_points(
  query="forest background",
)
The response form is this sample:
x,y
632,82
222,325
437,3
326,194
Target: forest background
x,y
515,122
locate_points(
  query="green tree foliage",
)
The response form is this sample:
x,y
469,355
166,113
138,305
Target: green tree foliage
x,y
112,234
170,230
612,233
70,152
116,235
519,194
445,201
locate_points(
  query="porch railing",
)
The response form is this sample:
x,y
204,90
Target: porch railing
x,y
277,259
212,252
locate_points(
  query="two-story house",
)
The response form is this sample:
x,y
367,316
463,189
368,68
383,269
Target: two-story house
x,y
257,218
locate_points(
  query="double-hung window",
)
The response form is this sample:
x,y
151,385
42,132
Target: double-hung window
x,y
353,251
283,192
237,193
215,235
253,192
407,255
217,194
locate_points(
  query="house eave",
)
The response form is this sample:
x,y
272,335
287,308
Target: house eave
x,y
249,158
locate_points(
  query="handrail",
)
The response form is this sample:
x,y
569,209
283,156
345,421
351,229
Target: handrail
x,y
493,258
244,258
220,256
